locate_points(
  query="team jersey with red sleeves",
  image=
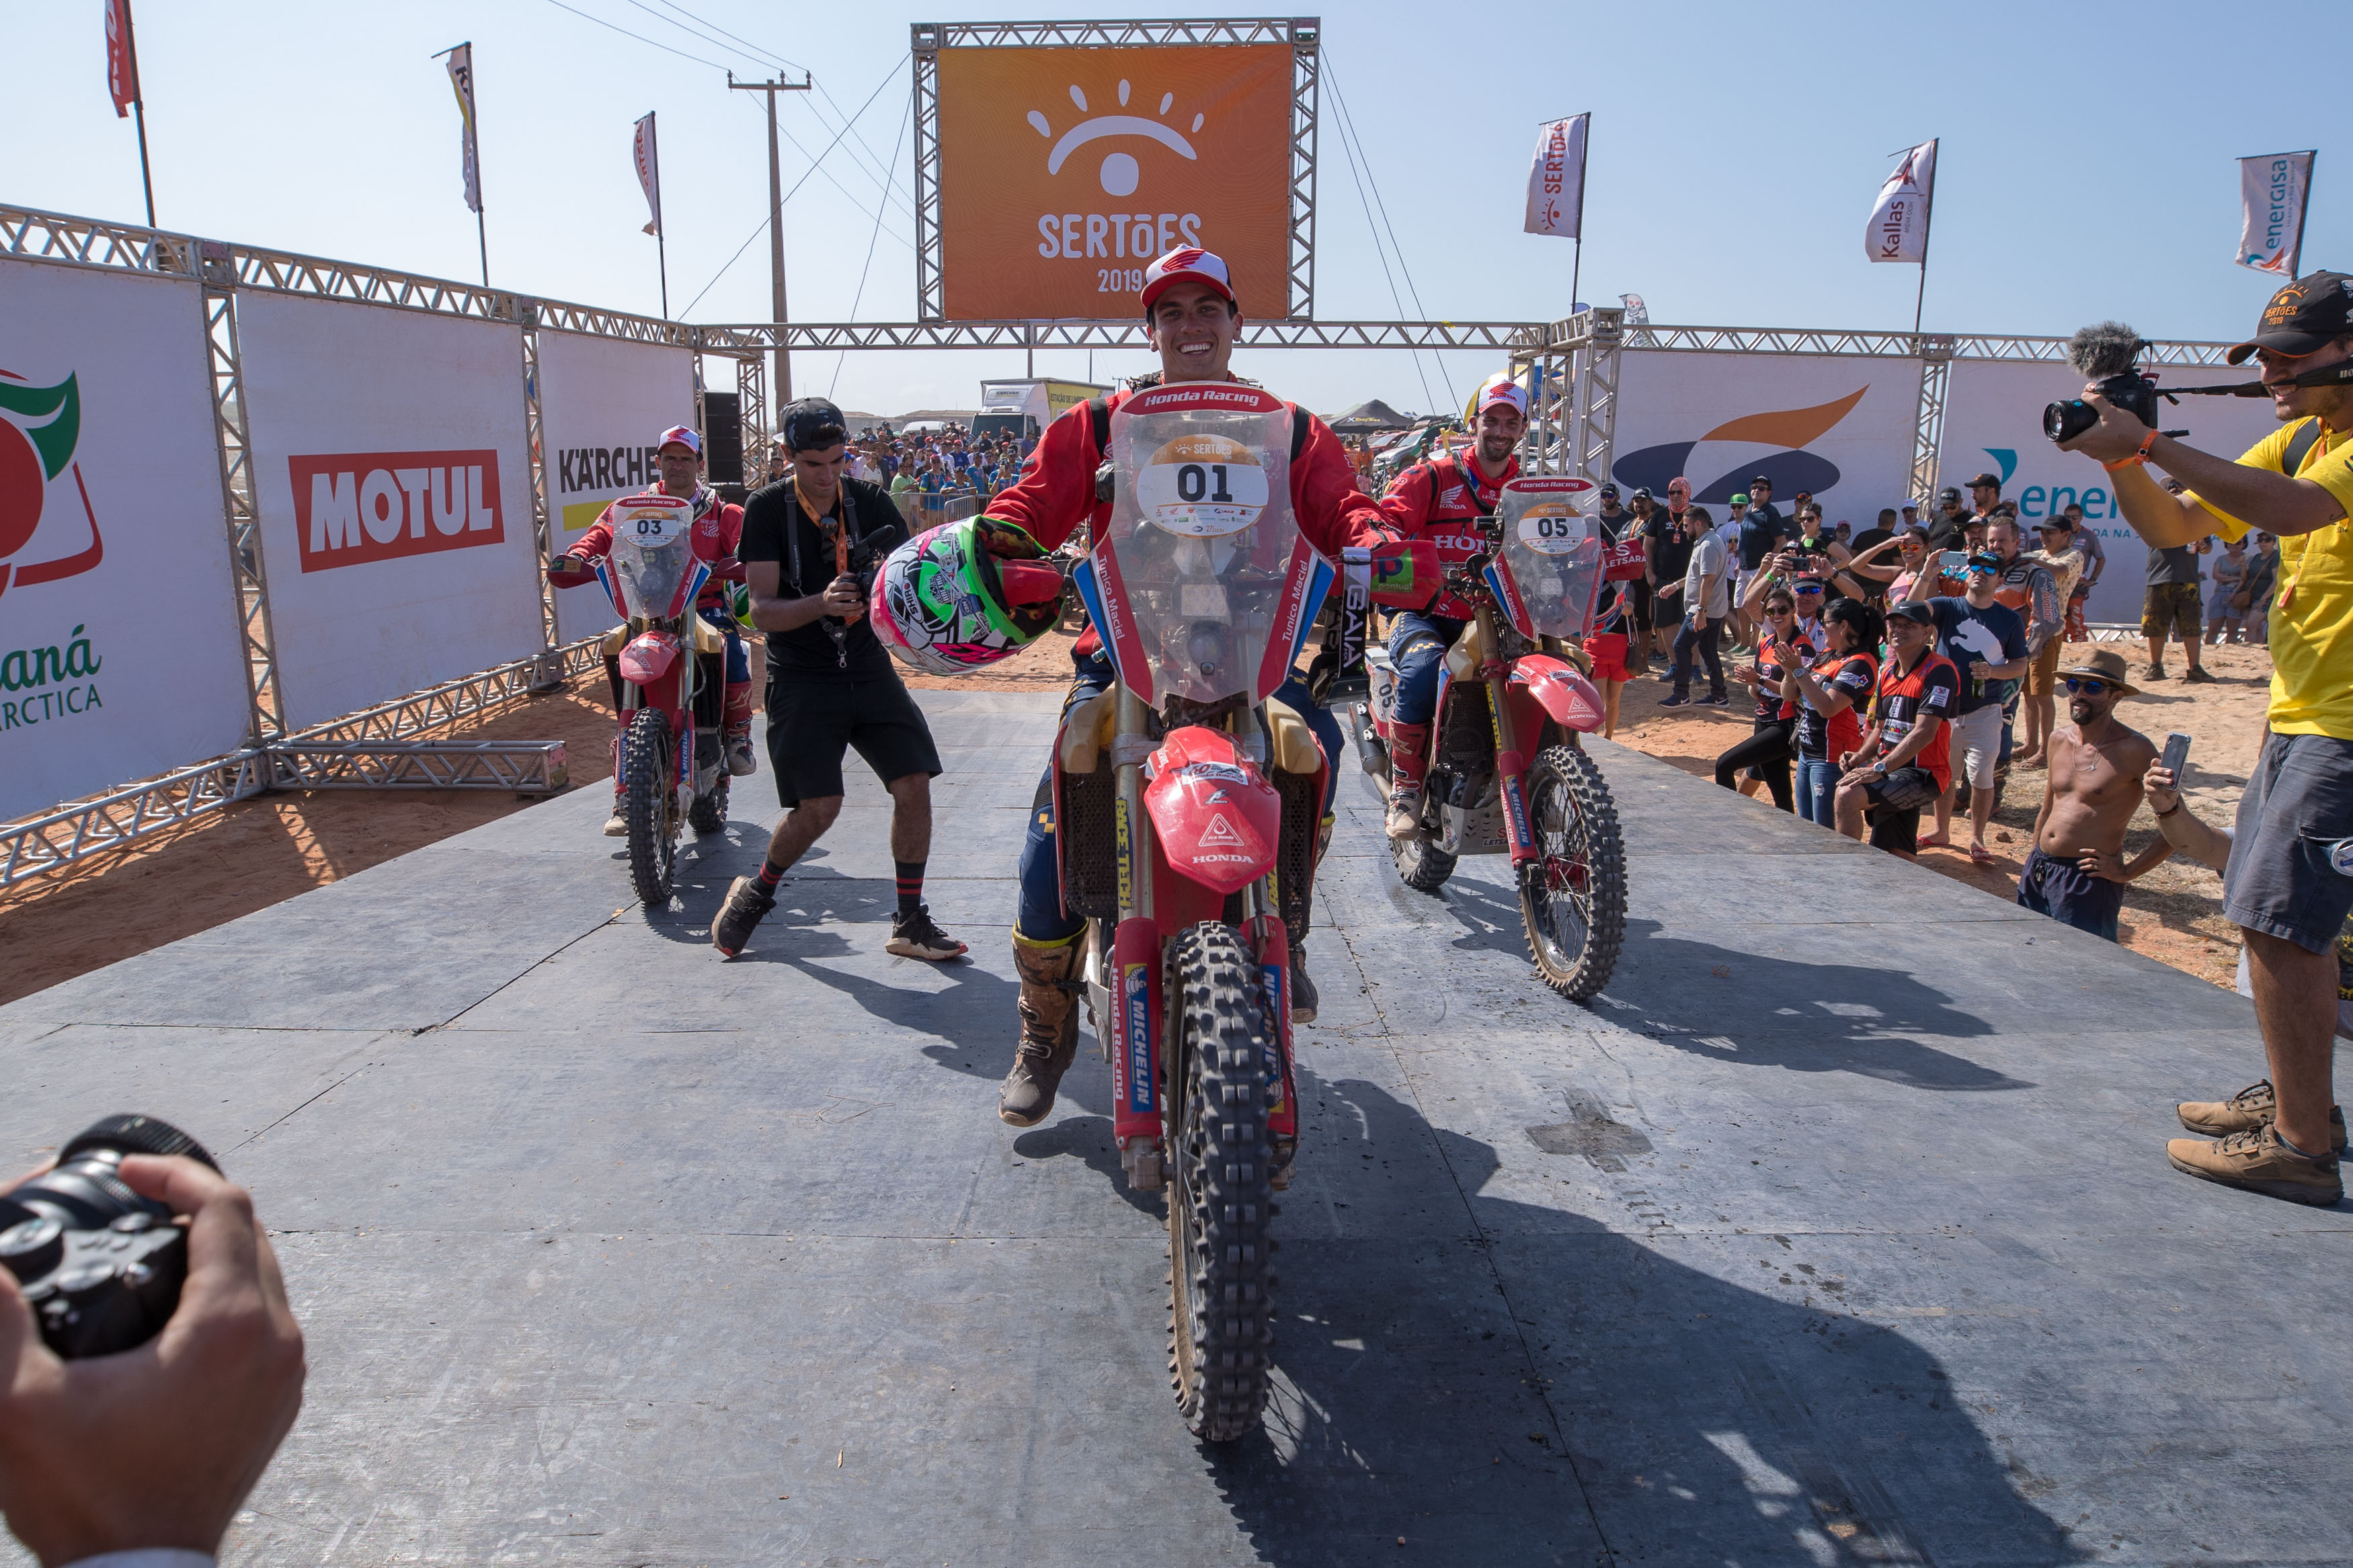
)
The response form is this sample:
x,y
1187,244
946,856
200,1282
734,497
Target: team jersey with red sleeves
x,y
1433,499
1056,492
1929,693
718,531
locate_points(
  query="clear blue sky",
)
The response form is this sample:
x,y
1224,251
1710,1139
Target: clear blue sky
x,y
1736,151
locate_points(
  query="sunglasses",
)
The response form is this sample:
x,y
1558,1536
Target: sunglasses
x,y
2079,687
1781,609
1809,593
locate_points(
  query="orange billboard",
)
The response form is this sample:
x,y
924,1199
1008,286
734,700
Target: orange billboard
x,y
1064,171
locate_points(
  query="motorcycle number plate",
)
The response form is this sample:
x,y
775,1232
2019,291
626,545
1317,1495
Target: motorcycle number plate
x,y
647,524
1552,528
1202,485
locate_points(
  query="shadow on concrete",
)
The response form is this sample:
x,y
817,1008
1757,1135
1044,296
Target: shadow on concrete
x,y
1089,1138
1520,1385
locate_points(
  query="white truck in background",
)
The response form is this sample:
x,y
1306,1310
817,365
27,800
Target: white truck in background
x,y
1027,407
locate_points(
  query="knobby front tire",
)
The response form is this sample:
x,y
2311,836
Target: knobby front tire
x,y
1573,898
647,762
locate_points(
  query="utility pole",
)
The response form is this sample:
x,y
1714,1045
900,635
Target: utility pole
x,y
784,384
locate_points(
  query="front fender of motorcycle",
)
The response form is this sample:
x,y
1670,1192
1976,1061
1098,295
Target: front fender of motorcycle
x,y
649,656
1562,692
1214,815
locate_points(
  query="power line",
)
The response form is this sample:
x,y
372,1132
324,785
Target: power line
x,y
641,37
814,166
1354,160
1445,377
860,297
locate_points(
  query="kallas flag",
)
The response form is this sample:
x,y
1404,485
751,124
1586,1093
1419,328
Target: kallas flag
x,y
1898,230
122,58
1556,178
648,162
2273,190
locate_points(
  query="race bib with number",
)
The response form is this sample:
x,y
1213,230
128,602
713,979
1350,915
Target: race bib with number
x,y
1203,487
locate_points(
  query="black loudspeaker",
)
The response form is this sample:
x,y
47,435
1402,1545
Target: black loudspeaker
x,y
723,438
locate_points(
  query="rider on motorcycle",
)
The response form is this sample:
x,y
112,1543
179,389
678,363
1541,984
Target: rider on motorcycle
x,y
718,528
1434,500
1191,313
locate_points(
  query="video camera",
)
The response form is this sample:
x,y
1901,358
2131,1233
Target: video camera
x,y
2109,353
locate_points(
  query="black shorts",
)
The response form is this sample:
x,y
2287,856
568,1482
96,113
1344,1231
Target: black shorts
x,y
1895,803
812,722
2070,895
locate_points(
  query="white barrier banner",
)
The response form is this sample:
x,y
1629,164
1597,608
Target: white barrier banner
x,y
118,648
602,404
1842,427
395,490
1993,424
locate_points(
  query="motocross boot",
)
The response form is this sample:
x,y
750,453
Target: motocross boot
x,y
1050,1031
1409,761
740,760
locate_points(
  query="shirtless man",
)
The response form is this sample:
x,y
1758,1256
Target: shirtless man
x,y
2076,872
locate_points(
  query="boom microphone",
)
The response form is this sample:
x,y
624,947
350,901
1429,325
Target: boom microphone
x,y
2107,349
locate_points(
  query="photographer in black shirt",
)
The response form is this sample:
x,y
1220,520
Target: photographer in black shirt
x,y
811,542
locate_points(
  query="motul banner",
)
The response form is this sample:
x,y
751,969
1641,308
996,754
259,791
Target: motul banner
x,y
394,485
603,405
119,649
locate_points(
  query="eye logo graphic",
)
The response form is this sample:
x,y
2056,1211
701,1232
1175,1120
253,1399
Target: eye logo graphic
x,y
1791,469
40,429
1120,172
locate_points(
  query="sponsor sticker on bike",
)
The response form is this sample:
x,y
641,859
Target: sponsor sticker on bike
x,y
1553,528
1136,1014
1202,486
650,520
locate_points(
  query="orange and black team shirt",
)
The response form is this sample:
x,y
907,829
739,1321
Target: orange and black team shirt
x,y
1854,676
1930,691
1769,706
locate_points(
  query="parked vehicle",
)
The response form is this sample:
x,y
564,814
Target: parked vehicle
x,y
668,755
1507,770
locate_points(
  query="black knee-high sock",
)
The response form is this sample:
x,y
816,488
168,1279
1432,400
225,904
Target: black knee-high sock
x,y
911,885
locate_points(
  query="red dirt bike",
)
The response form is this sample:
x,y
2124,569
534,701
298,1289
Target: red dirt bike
x,y
668,755
1186,808
1506,772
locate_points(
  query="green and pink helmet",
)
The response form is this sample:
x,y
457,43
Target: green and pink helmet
x,y
960,596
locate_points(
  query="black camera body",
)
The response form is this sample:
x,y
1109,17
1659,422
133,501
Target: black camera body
x,y
101,1266
2128,390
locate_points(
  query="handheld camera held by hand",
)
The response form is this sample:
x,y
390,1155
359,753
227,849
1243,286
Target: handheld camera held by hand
x,y
2109,353
100,1266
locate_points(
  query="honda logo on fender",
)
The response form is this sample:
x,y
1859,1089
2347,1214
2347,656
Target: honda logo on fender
x,y
351,507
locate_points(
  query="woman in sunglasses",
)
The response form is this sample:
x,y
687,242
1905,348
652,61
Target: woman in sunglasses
x,y
1832,691
1766,754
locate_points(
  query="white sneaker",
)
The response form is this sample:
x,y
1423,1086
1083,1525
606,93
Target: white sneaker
x,y
614,827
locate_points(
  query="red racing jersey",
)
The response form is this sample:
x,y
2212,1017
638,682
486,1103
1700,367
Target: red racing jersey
x,y
1056,492
718,531
1432,500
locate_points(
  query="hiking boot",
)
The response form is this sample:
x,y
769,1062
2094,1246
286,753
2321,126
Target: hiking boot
x,y
617,825
2197,676
1405,813
2258,1162
1050,1032
746,902
741,764
914,936
2251,1107
1303,989
2155,672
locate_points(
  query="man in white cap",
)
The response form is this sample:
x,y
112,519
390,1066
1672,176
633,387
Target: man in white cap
x,y
1442,500
1194,319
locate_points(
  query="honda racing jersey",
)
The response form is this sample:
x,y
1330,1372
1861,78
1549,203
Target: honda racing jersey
x,y
1852,676
1056,492
1929,693
718,531
1442,500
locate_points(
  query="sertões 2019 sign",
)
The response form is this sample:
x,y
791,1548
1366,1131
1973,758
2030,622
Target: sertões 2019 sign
x,y
1064,172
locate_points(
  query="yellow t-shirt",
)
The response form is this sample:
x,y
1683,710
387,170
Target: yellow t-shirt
x,y
2312,633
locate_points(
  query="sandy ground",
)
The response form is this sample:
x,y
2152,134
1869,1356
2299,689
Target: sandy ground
x,y
258,852
2174,913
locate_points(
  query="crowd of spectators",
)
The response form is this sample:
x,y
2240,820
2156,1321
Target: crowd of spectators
x,y
922,468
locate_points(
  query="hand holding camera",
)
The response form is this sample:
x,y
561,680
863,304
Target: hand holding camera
x,y
155,1442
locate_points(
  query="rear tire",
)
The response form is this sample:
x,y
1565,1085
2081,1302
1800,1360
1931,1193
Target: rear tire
x,y
1220,1316
1421,865
1573,899
708,811
648,805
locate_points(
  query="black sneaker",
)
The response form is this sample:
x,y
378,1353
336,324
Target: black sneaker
x,y
746,902
1676,700
1713,700
2197,674
914,936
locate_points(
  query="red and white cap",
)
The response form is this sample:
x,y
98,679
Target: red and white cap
x,y
680,435
1500,388
1191,264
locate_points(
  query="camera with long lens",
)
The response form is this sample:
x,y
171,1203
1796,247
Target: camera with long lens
x,y
2109,353
100,1266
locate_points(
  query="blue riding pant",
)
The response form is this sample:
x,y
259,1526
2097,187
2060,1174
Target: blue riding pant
x,y
1039,919
1418,645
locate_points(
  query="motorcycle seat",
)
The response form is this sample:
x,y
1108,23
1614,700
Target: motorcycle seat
x,y
1086,731
1296,750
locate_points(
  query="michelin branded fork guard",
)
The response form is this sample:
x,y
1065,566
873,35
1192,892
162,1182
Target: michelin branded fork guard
x,y
1506,772
669,754
1188,804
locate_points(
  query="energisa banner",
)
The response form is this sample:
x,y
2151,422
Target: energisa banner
x,y
1993,423
395,493
1840,428
119,651
602,404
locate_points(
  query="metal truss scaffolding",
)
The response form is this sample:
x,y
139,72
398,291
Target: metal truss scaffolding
x,y
265,705
756,337
926,39
535,446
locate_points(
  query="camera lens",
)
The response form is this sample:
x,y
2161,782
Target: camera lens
x,y
2065,421
83,1192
